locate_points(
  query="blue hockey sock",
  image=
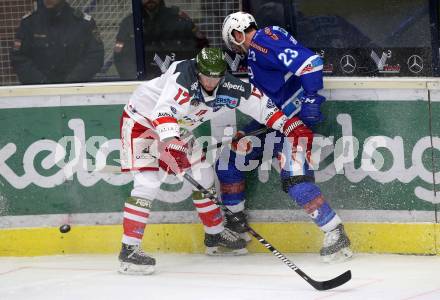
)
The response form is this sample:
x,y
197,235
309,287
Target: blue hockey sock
x,y
309,197
232,187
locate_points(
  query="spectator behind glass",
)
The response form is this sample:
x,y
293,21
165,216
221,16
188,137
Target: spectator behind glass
x,y
57,44
167,32
329,31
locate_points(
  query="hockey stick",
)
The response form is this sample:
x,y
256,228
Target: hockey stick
x,y
319,285
117,169
219,144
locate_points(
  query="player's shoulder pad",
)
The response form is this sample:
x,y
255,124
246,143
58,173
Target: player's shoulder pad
x,y
188,74
266,40
259,43
274,35
278,34
284,34
233,86
280,30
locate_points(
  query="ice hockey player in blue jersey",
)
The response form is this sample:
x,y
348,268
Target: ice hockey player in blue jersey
x,y
291,75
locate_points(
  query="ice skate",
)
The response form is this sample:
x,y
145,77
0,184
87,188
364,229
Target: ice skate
x,y
134,261
237,222
226,242
336,246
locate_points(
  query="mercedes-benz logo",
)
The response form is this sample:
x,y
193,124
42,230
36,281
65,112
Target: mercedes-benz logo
x,y
415,63
348,64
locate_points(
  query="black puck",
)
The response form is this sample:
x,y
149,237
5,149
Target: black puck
x,y
64,228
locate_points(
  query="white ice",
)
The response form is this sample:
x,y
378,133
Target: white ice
x,y
198,277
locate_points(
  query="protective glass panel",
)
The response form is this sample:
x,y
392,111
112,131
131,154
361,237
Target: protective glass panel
x,y
380,38
361,38
11,12
59,41
177,30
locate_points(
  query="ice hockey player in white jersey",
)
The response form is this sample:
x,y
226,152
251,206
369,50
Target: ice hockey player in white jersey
x,y
188,94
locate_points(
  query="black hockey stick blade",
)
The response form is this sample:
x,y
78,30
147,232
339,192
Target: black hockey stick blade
x,y
319,285
332,283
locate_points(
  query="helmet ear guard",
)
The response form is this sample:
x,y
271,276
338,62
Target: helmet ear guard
x,y
239,21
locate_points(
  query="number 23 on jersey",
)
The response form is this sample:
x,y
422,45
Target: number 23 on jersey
x,y
287,56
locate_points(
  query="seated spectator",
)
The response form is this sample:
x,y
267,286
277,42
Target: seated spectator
x,y
167,32
326,31
57,44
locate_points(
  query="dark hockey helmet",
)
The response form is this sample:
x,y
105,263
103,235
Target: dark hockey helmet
x,y
211,62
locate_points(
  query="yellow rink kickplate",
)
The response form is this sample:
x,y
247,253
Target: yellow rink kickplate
x,y
410,238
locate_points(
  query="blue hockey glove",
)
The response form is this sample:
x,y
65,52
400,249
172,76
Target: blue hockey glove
x,y
310,112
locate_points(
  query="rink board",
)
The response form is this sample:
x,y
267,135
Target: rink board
x,y
391,116
188,238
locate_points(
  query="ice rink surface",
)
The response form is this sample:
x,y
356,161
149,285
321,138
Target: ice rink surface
x,y
198,277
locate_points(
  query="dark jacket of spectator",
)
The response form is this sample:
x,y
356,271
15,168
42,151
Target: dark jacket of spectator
x,y
57,45
329,31
167,31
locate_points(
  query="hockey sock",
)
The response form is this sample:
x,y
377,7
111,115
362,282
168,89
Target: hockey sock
x,y
232,186
309,197
209,213
233,195
136,213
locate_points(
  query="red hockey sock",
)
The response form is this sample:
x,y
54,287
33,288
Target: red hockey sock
x,y
209,213
136,213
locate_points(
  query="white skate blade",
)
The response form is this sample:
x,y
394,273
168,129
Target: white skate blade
x,y
246,236
221,251
340,256
132,269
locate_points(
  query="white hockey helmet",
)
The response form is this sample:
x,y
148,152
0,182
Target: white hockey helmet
x,y
239,21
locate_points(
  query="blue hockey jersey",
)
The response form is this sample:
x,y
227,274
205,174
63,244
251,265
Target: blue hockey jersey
x,y
282,68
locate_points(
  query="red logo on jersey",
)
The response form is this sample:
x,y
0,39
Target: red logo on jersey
x,y
259,48
307,69
272,35
201,113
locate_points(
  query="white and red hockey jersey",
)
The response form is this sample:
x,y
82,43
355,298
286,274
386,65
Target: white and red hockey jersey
x,y
176,100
